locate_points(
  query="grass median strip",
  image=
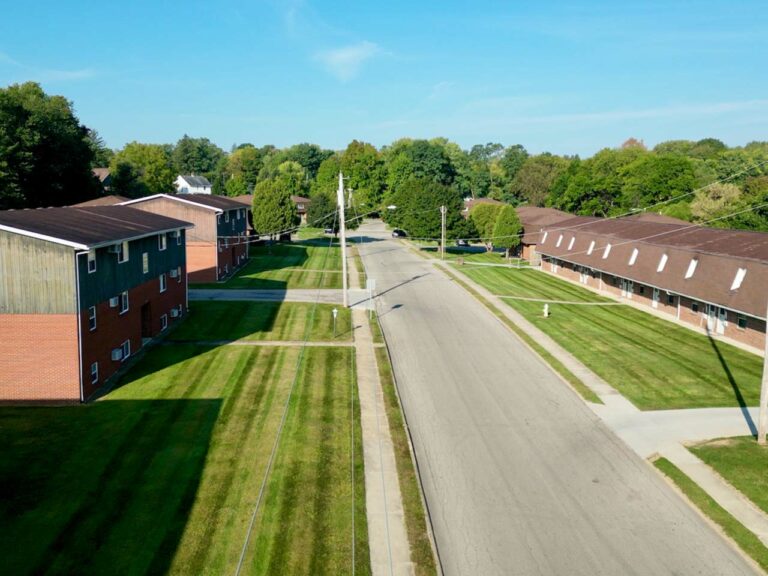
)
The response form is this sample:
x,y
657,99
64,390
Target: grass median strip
x,y
583,390
745,539
654,363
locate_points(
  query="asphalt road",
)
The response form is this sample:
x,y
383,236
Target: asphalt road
x,y
519,475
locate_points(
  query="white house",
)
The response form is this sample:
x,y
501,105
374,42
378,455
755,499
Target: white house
x,y
192,185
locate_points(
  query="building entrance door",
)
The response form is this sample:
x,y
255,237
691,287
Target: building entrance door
x,y
656,297
627,287
722,320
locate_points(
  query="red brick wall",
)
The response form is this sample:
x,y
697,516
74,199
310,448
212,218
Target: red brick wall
x,y
226,260
113,328
201,262
39,358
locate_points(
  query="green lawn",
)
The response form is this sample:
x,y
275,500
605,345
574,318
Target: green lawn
x,y
473,256
745,539
236,320
742,462
654,363
312,263
161,475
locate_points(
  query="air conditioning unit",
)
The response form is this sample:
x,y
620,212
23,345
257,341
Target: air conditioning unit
x,y
113,302
115,248
174,273
117,354
174,312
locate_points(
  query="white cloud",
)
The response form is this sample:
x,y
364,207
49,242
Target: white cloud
x,y
45,74
345,62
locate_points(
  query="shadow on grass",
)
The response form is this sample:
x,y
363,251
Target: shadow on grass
x,y
104,488
734,385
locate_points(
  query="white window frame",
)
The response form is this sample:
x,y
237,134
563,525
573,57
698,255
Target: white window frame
x,y
94,373
633,257
691,268
126,346
163,322
163,283
662,263
606,251
91,261
591,248
739,278
145,262
124,300
559,241
91,318
570,244
123,254
162,242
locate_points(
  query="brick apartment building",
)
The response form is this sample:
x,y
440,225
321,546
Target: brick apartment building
x,y
712,279
81,290
218,244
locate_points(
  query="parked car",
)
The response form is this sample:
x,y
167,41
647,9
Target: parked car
x,y
397,233
328,231
462,243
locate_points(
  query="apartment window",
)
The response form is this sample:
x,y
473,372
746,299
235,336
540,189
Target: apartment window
x,y
178,237
662,263
145,263
694,306
671,299
739,278
94,372
91,261
633,257
606,251
226,242
741,321
219,242
544,238
570,244
641,290
691,268
591,247
92,318
124,302
178,274
163,283
181,310
163,321
162,242
226,216
218,218
239,214
122,252
126,349
559,241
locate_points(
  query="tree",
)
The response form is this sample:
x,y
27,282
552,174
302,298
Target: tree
x,y
714,201
293,178
323,213
633,143
512,160
151,162
484,216
418,159
419,212
126,180
245,163
653,178
195,156
273,210
102,155
45,153
363,168
309,156
327,180
506,231
534,179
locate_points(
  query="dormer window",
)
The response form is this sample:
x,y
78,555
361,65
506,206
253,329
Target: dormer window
x,y
570,244
591,248
606,251
691,268
633,257
544,238
662,263
739,278
559,241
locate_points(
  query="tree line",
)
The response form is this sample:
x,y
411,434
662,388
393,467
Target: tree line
x,y
46,157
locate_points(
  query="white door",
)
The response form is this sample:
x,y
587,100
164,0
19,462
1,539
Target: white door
x,y
722,320
627,287
656,297
711,317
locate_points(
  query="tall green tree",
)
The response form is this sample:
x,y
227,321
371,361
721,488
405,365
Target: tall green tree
x,y
273,210
327,180
418,159
419,212
102,154
309,156
196,156
534,179
292,177
507,229
484,217
152,163
653,178
363,168
45,153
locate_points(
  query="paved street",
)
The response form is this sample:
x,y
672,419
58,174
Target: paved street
x,y
519,475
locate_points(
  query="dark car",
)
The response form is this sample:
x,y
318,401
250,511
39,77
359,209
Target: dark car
x,y
462,243
397,233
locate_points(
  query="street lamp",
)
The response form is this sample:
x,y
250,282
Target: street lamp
x,y
335,314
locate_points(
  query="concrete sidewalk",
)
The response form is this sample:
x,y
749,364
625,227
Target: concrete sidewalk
x,y
322,295
650,433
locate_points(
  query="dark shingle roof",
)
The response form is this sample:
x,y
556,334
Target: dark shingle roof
x,y
102,201
197,181
88,227
212,200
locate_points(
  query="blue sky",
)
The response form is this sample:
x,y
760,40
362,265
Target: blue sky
x,y
564,77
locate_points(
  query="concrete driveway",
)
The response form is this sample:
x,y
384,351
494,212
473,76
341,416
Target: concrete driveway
x,y
520,477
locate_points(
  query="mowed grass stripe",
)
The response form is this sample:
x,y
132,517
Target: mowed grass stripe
x,y
305,525
655,363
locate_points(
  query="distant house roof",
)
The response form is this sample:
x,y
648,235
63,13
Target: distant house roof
x,y
534,219
101,173
102,201
298,199
246,199
89,227
196,181
210,201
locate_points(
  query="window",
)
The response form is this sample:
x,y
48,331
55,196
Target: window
x,y
178,274
124,302
671,299
226,242
178,237
163,283
694,306
544,238
218,218
181,310
570,244
742,321
739,278
226,216
219,242
633,258
162,242
559,241
641,290
239,214
163,321
92,318
606,251
662,263
691,268
122,252
145,263
126,349
94,372
91,261
591,247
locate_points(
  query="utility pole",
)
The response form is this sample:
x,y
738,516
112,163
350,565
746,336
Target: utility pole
x,y
443,210
343,230
762,419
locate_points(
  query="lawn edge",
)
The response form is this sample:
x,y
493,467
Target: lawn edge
x,y
733,531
